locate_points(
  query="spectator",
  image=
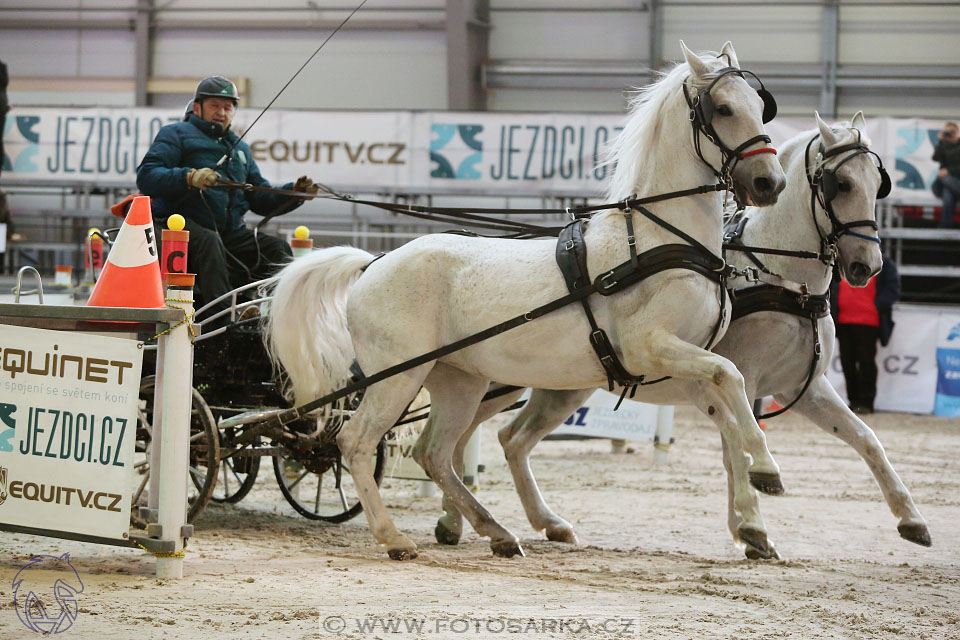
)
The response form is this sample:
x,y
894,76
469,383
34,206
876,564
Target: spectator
x,y
947,184
4,107
864,316
181,170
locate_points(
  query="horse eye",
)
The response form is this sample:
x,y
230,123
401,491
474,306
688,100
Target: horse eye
x,y
845,186
724,110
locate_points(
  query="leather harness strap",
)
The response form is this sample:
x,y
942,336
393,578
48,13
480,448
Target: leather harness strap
x,y
571,257
767,297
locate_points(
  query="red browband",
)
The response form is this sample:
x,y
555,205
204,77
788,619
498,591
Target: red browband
x,y
747,154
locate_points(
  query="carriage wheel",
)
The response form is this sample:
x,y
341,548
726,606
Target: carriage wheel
x,y
238,473
204,452
329,495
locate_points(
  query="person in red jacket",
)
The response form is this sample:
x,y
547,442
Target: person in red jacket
x,y
864,316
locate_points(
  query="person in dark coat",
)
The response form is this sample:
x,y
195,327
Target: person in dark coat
x,y
4,107
180,172
864,316
947,184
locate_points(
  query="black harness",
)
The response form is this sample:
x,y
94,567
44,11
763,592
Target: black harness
x,y
768,297
825,187
572,260
702,111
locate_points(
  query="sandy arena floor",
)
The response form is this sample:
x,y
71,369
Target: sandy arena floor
x,y
655,559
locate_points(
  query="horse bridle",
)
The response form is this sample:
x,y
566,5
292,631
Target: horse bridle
x,y
702,110
825,186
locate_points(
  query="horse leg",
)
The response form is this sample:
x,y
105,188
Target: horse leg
x,y
544,412
451,392
450,525
382,405
723,387
756,543
823,406
733,518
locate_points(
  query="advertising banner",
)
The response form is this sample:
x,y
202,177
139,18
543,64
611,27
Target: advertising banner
x,y
948,366
68,423
906,367
496,151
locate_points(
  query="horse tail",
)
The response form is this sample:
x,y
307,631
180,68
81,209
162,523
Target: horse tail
x,y
306,329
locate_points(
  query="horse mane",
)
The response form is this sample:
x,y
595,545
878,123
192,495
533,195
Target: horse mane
x,y
629,151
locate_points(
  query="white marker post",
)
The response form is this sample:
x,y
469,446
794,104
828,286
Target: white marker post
x,y
176,382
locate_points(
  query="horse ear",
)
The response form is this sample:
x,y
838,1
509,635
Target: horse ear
x,y
826,133
697,66
731,55
858,122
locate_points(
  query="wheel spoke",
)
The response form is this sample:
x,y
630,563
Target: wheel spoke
x,y
316,502
297,481
143,484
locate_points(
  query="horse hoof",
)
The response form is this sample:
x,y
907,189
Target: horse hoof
x,y
562,534
757,546
754,554
445,535
507,549
768,483
916,533
402,554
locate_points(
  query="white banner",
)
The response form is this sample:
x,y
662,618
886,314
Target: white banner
x,y
906,367
68,423
635,421
502,152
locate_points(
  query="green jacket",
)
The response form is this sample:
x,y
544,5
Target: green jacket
x,y
194,144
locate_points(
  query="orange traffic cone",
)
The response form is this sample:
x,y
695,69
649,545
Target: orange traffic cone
x,y
131,275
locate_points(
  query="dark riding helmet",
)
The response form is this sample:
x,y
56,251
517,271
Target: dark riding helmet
x,y
216,87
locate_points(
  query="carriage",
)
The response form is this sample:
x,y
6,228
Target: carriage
x,y
233,375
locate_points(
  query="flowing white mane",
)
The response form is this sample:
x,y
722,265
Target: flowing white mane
x,y
628,153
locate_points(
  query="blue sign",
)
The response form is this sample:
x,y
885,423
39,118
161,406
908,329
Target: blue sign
x,y
947,401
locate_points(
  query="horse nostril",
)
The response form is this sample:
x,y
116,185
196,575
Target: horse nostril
x,y
860,270
762,185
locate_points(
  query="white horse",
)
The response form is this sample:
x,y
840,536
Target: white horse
x,y
773,350
440,288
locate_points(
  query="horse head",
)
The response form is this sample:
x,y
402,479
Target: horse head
x,y
847,179
726,110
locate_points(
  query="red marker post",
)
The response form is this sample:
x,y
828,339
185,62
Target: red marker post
x,y
174,242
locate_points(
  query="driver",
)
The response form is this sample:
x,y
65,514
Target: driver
x,y
180,173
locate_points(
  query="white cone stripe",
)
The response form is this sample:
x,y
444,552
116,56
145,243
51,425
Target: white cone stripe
x,y
135,246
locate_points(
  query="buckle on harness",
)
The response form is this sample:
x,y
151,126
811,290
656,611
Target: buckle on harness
x,y
568,245
631,241
602,281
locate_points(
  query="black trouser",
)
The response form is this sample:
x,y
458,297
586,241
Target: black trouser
x,y
232,259
858,355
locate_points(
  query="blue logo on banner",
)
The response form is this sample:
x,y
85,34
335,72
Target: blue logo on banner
x,y
954,332
7,426
47,603
948,382
464,141
26,160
